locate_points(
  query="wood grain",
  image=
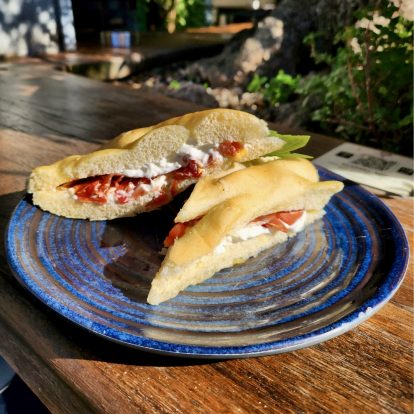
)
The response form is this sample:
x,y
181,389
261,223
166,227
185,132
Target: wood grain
x,y
44,115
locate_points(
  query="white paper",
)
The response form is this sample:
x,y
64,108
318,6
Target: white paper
x,y
388,172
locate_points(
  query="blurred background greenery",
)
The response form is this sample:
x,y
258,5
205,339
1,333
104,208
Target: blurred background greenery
x,y
173,15
363,90
340,67
349,72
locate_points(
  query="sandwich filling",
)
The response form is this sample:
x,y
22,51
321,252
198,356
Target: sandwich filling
x,y
285,221
161,181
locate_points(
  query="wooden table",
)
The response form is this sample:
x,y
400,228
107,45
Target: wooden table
x,y
153,49
45,115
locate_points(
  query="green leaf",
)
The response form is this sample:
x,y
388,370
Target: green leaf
x,y
292,142
406,121
257,83
175,85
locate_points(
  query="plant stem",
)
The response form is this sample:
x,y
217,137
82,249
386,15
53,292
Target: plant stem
x,y
171,17
368,88
354,88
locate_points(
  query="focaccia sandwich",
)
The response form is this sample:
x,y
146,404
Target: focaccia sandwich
x,y
143,169
235,215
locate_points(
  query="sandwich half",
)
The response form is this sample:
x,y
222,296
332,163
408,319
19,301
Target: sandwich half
x,y
233,216
142,169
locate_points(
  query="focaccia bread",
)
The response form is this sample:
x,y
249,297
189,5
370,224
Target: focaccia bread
x,y
144,168
230,218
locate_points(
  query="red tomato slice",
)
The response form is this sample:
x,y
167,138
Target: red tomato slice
x,y
230,148
278,220
191,170
121,197
120,182
89,193
290,217
275,223
93,190
274,220
105,182
127,188
174,189
161,199
122,190
178,231
139,190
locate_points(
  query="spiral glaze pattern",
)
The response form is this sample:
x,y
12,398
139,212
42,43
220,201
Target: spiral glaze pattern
x,y
317,285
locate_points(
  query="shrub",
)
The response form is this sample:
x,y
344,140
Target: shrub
x,y
366,91
275,90
177,14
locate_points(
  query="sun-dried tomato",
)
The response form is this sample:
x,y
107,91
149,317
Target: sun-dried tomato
x,y
280,220
178,231
230,148
191,170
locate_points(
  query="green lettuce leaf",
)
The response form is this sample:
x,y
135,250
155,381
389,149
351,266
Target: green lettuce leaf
x,y
293,142
289,155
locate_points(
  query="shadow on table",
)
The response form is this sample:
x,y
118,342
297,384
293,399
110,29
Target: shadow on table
x,y
83,344
101,349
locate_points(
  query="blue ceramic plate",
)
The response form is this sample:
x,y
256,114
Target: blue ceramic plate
x,y
317,285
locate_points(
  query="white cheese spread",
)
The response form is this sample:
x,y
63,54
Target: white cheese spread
x,y
176,161
152,169
248,232
298,225
202,155
155,185
255,230
71,192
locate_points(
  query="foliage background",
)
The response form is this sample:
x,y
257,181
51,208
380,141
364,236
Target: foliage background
x,y
174,14
363,90
341,67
